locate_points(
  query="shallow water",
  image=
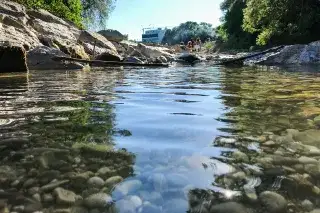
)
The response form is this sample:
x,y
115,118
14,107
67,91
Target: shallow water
x,y
180,127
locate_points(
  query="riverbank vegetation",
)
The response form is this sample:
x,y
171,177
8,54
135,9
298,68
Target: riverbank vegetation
x,y
187,31
266,23
83,13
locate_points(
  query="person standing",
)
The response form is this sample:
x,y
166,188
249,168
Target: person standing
x,y
198,45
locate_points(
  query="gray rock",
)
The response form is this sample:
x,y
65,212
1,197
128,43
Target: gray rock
x,y
64,197
61,210
47,198
307,205
113,35
98,200
273,202
32,207
313,169
33,190
96,182
8,173
112,181
315,211
37,197
240,157
316,120
269,143
309,137
188,58
40,58
78,209
307,160
18,208
53,185
108,55
228,207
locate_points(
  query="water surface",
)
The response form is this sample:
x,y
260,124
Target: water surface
x,y
181,133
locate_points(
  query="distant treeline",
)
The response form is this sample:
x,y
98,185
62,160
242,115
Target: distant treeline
x,y
249,23
187,31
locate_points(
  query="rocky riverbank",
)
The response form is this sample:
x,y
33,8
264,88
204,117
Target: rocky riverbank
x,y
40,36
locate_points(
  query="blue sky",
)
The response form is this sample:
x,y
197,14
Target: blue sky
x,y
130,16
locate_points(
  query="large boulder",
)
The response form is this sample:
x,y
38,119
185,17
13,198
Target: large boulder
x,y
154,52
108,56
188,58
96,39
41,58
13,59
113,35
291,54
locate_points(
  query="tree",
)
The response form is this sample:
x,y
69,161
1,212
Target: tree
x,y
230,31
187,31
96,12
283,21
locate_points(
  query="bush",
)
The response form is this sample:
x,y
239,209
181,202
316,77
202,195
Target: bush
x,y
70,10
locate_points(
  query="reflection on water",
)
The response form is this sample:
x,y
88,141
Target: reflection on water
x,y
203,139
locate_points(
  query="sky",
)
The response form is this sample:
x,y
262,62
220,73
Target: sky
x,y
130,16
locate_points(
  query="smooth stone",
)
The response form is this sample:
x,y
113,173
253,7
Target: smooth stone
x,y
37,197
98,200
269,143
176,180
153,197
95,182
126,188
64,197
149,208
238,176
316,120
47,198
313,169
32,207
137,202
53,185
315,211
18,208
33,190
15,183
228,207
273,202
62,210
175,205
309,137
307,205
240,157
125,206
112,181
158,181
105,172
307,160
30,182
78,209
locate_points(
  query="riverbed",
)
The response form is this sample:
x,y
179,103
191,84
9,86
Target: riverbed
x,y
178,139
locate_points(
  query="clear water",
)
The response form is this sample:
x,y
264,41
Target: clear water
x,y
179,125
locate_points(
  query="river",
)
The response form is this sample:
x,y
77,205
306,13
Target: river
x,y
197,139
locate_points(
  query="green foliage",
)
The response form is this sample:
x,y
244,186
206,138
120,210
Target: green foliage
x,y
96,12
88,13
231,32
187,31
67,9
283,21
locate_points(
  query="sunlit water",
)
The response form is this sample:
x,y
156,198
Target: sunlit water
x,y
181,126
